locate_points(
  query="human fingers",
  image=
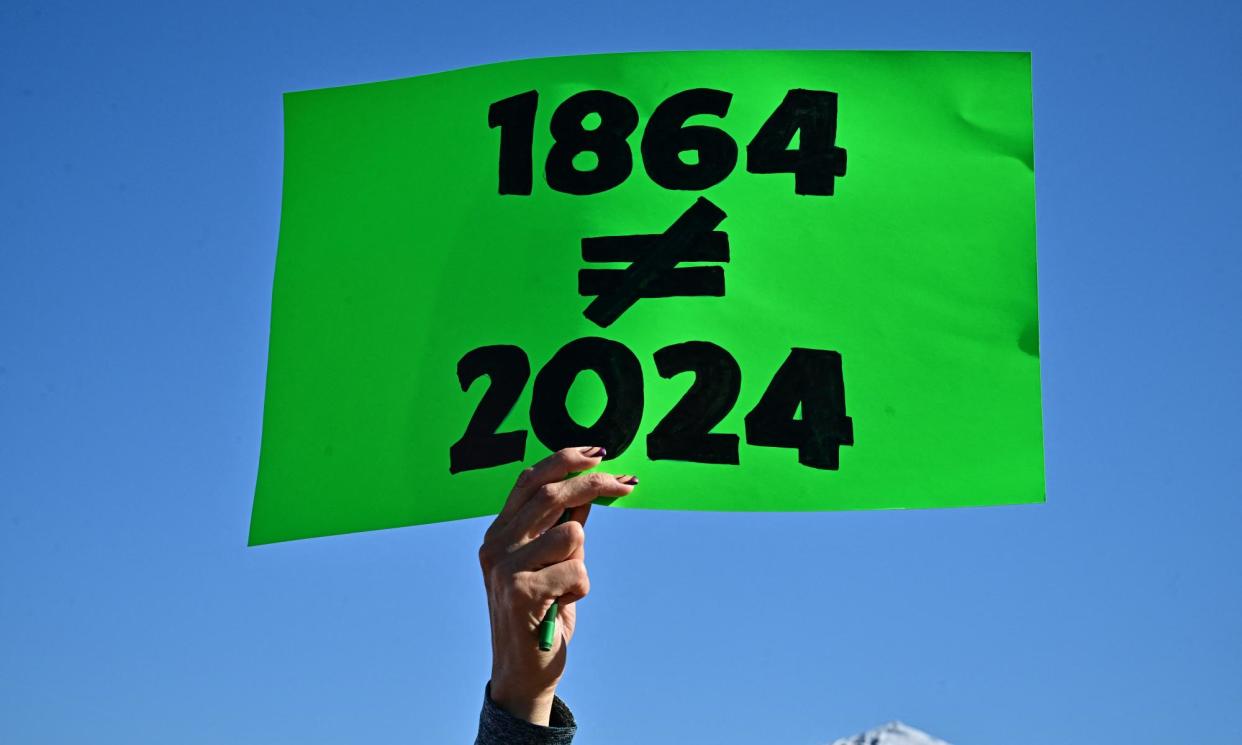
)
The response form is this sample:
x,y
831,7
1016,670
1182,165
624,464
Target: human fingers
x,y
565,582
557,544
553,468
549,501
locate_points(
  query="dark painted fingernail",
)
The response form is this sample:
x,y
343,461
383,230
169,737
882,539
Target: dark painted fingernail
x,y
628,480
594,452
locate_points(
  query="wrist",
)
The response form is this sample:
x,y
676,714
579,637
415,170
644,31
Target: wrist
x,y
531,706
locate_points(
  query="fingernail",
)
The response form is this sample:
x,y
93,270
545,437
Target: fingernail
x,y
628,480
594,452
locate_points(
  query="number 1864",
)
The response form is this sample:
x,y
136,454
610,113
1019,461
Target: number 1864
x,y
810,114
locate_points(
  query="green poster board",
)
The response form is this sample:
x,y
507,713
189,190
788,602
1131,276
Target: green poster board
x,y
763,280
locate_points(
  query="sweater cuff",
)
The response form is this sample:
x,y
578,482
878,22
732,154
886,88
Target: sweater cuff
x,y
499,727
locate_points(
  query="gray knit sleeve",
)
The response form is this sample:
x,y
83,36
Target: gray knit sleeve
x,y
499,727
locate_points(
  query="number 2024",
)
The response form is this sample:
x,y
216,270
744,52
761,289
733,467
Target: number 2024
x,y
810,113
808,378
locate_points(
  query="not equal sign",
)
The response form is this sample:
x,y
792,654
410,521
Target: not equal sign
x,y
653,259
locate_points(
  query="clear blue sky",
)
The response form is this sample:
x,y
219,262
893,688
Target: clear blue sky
x,y
140,176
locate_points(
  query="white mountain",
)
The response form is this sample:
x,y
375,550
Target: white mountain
x,y
893,733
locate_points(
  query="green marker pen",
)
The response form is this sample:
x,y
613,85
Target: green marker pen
x,y
547,627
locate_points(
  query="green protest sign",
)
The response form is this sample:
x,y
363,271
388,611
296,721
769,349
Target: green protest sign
x,y
762,280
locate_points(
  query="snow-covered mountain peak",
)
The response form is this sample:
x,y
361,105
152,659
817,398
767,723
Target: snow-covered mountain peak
x,y
893,733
